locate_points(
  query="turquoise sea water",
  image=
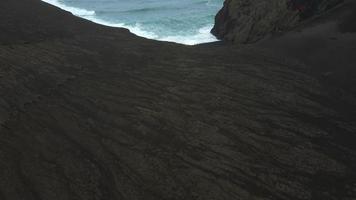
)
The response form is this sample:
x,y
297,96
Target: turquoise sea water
x,y
181,21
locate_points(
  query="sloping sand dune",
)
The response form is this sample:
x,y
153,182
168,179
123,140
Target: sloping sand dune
x,y
92,112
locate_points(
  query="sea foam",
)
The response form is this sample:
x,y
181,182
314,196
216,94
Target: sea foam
x,y
202,35
75,11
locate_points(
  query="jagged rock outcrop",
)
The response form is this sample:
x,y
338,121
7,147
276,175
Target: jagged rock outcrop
x,y
247,21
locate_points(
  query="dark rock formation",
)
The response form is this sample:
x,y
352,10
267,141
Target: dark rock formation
x,y
89,112
247,21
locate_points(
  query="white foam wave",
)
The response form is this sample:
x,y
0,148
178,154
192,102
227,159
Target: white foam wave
x,y
202,36
75,11
136,29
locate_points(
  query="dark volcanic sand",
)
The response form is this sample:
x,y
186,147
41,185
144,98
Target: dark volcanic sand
x,y
91,112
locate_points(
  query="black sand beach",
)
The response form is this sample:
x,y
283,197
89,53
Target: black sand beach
x,y
93,112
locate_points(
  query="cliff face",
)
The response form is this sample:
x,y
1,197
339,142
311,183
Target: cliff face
x,y
89,112
246,21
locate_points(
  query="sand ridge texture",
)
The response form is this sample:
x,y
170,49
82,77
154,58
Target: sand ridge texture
x,y
91,112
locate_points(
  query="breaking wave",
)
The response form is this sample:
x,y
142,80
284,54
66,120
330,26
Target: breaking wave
x,y
153,31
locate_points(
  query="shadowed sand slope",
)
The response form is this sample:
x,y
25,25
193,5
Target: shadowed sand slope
x,y
91,112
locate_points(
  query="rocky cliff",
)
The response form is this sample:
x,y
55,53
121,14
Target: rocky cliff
x,y
89,112
247,21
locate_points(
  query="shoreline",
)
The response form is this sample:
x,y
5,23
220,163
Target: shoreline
x,y
202,35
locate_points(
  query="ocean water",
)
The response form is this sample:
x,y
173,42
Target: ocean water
x,y
181,21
